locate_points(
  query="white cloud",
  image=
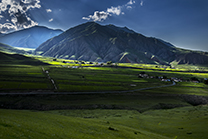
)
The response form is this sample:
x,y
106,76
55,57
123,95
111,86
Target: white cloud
x,y
129,7
7,27
86,18
99,16
141,3
48,10
16,14
51,20
131,2
114,10
103,15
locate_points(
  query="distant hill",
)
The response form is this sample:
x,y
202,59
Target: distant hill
x,y
10,49
94,42
29,38
18,59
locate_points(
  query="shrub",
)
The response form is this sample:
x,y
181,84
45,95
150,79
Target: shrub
x,y
194,79
206,82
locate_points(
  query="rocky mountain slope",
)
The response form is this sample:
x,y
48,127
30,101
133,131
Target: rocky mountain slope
x,y
29,38
94,42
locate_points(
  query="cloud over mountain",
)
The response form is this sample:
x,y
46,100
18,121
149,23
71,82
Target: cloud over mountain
x,y
103,15
14,14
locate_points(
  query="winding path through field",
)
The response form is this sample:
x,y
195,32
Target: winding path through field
x,y
74,93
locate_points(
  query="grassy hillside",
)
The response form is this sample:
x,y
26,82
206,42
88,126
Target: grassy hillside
x,y
11,59
180,123
10,49
28,124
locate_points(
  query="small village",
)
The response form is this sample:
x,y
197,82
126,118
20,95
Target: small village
x,y
165,79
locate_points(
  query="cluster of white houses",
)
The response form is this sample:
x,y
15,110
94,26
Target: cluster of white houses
x,y
165,79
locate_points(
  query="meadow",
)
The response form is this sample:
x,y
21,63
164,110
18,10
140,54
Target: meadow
x,y
174,112
22,78
85,77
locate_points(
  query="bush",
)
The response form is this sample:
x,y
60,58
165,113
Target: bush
x,y
194,79
142,72
164,77
206,82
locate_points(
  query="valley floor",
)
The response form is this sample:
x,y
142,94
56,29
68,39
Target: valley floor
x,y
50,101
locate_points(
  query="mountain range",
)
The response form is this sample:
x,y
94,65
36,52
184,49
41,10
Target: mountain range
x,y
29,38
94,42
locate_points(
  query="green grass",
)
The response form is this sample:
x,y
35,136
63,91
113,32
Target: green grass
x,y
84,79
23,77
95,79
180,123
26,85
88,88
9,85
189,90
26,124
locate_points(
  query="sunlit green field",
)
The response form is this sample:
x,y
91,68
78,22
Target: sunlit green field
x,y
85,79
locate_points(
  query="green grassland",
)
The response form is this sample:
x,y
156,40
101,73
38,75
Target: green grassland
x,y
88,79
22,77
179,123
174,112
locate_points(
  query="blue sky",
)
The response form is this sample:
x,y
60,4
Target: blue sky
x,y
184,23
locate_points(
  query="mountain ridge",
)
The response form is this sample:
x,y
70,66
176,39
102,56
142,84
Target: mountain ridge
x,y
93,42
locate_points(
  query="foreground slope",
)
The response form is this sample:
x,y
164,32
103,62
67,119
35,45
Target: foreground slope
x,y
29,38
27,124
94,42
